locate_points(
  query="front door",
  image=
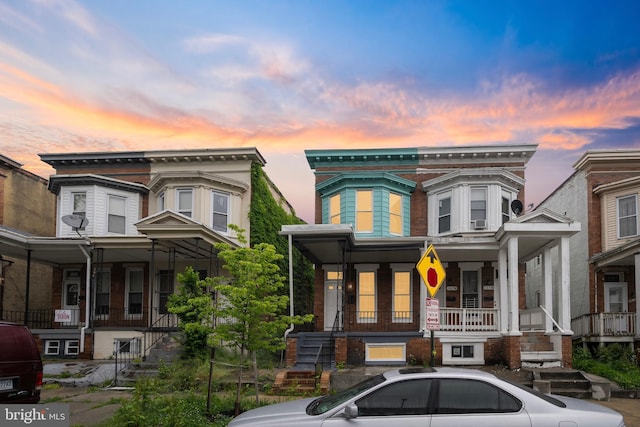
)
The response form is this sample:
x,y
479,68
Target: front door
x,y
71,296
333,300
616,303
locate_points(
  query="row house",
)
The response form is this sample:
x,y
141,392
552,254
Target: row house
x,y
27,208
125,224
602,194
379,210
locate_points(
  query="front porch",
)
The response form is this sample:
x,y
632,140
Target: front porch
x,y
604,328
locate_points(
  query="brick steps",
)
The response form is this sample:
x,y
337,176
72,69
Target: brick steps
x,y
301,381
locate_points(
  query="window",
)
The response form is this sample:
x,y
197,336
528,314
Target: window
x,y
127,345
506,210
457,396
103,286
444,214
408,397
220,211
462,351
71,347
166,278
80,204
627,216
161,202
395,214
52,347
117,217
478,204
334,209
185,201
133,297
364,211
402,296
366,297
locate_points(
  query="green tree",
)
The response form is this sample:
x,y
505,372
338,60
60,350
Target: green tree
x,y
192,305
251,302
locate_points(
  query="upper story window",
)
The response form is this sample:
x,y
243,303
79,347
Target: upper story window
x,y
506,210
364,211
117,219
402,291
161,204
334,209
478,204
627,216
444,213
184,201
395,213
80,204
220,208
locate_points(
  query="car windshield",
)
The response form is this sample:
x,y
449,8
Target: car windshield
x,y
330,401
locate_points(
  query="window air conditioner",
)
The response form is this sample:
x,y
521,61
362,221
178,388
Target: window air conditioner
x,y
480,224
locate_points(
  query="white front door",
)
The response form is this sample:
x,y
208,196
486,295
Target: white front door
x,y
332,303
71,296
615,301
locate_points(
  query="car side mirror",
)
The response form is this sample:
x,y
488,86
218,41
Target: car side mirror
x,y
351,411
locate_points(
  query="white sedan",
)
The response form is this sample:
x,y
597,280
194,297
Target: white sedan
x,y
434,397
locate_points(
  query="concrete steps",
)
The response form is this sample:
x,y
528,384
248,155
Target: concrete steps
x,y
310,346
564,382
166,351
537,351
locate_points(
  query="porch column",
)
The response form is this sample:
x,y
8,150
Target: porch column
x,y
547,296
564,309
514,307
504,291
637,280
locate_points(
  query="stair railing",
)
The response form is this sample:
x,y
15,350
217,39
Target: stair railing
x,y
125,352
157,331
544,310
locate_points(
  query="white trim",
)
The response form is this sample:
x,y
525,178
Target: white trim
x,y
67,345
48,345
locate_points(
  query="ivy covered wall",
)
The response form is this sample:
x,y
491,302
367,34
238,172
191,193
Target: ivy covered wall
x,y
267,215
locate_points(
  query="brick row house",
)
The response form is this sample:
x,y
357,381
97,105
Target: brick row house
x,y
378,210
27,208
602,194
125,224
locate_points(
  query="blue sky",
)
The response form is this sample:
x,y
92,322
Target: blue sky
x,y
285,76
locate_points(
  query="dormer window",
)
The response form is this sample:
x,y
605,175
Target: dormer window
x,y
364,211
80,204
334,209
185,201
395,214
627,216
220,210
444,213
116,221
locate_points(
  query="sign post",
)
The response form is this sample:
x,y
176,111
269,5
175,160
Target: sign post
x,y
433,274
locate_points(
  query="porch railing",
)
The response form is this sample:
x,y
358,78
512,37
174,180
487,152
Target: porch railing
x,y
604,325
469,319
44,318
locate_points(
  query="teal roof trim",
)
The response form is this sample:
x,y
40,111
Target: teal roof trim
x,y
379,157
366,179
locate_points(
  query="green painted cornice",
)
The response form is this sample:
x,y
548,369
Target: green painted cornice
x,y
361,157
366,179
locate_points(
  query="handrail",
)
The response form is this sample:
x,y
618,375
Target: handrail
x,y
152,330
318,365
544,310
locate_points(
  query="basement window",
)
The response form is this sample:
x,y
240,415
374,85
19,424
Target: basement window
x,y
386,353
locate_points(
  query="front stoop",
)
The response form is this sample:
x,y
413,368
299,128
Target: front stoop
x,y
536,351
568,382
301,381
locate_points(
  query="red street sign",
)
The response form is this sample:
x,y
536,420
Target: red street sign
x,y
433,314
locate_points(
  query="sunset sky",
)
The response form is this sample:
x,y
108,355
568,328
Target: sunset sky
x,y
285,76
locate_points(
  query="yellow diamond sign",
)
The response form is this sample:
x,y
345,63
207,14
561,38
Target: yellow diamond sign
x,y
431,270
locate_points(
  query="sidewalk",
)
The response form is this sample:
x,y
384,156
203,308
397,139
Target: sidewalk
x,y
88,406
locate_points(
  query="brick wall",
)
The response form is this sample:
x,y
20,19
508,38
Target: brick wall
x,y
512,352
291,352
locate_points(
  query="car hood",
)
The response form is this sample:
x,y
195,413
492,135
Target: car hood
x,y
292,412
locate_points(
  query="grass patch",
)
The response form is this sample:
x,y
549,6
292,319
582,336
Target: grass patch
x,y
613,362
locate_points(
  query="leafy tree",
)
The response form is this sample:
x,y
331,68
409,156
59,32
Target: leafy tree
x,y
192,305
251,302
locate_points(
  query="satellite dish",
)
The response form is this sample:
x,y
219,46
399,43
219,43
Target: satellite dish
x,y
77,222
516,206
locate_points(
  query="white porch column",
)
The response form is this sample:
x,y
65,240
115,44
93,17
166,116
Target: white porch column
x,y
564,309
637,264
547,280
504,291
514,309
